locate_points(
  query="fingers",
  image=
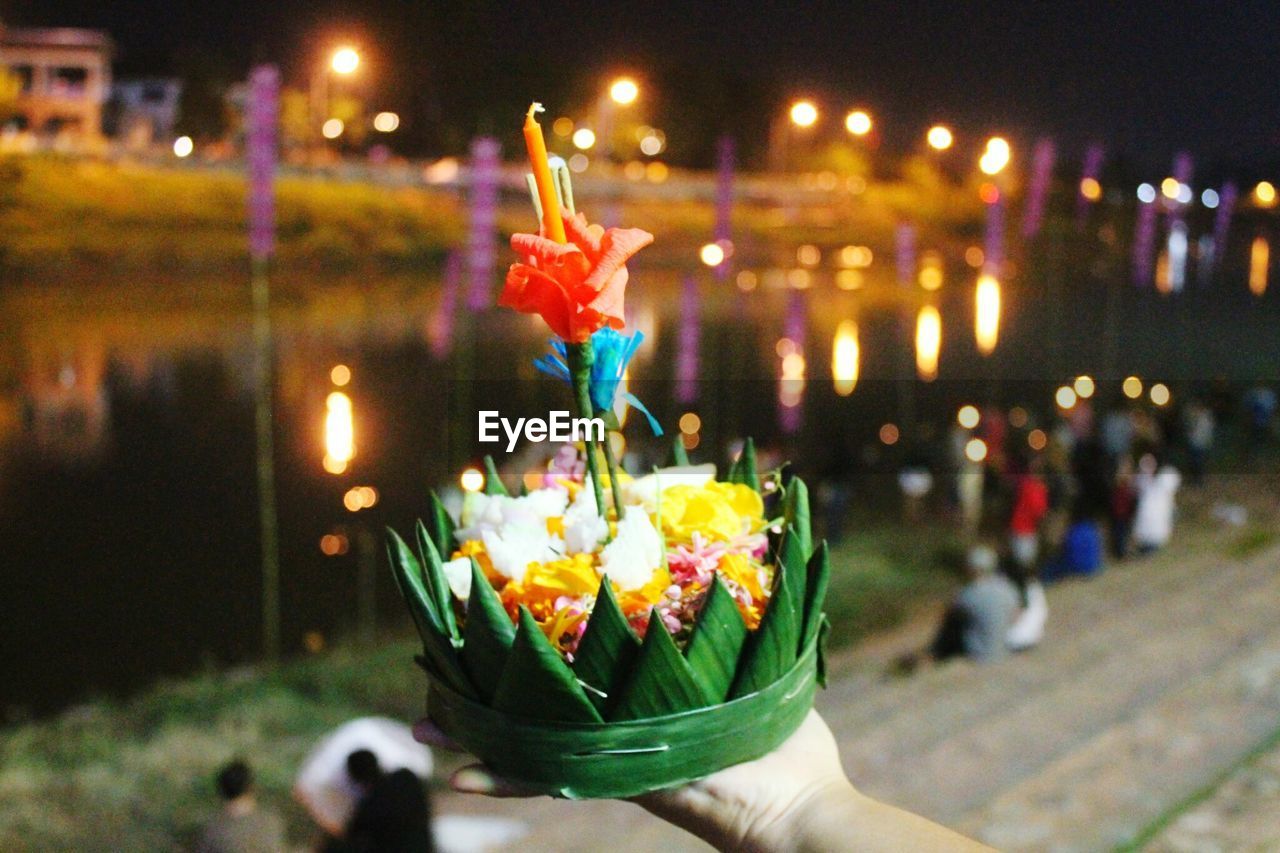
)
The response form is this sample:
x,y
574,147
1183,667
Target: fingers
x,y
427,732
476,779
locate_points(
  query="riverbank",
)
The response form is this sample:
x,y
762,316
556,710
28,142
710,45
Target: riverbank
x,y
135,774
67,217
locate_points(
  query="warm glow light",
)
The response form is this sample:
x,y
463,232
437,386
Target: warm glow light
x,y
1091,189
1259,264
986,324
472,480
928,342
690,423
968,416
624,91
849,279
975,450
1018,417
332,128
803,114
1160,394
1265,193
889,434
974,256
386,122
657,172
858,123
712,254
340,375
562,126
183,146
845,358
930,275
345,60
1065,397
339,433
651,145
996,157
1083,386
584,138
808,255
1132,387
939,137
578,163
1169,188
1037,439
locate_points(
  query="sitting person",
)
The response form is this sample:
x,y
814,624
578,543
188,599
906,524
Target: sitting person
x,y
1153,520
977,622
393,814
1080,552
1027,629
241,827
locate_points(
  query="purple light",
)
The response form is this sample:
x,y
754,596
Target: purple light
x,y
440,326
1222,220
724,200
905,250
482,228
1092,168
993,244
1144,241
1041,175
260,152
688,342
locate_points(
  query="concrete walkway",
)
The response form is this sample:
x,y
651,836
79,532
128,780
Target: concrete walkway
x,y
1154,678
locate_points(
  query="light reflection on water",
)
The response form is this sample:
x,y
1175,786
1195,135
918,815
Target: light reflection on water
x,y
126,430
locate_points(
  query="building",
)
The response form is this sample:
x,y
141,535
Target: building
x,y
64,76
143,112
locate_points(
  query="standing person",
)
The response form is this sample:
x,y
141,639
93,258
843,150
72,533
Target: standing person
x,y
1198,427
1030,504
393,815
1156,485
1124,502
241,827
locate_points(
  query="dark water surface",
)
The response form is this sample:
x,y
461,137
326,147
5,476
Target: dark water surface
x,y
127,485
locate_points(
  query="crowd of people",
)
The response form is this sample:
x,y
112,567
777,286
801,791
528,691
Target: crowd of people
x,y
1041,507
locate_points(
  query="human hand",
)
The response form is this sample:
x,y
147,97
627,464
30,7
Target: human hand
x,y
759,805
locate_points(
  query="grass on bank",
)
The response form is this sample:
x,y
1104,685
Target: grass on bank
x,y
136,775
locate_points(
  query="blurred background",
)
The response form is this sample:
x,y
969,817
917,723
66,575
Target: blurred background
x,y
249,259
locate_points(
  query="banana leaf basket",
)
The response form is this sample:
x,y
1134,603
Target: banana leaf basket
x,y
626,716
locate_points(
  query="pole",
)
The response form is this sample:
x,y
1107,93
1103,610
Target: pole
x,y
267,519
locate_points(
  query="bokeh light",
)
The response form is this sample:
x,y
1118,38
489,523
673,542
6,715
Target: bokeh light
x,y
1132,387
1083,386
1037,439
1160,394
889,434
584,138
968,416
340,375
1265,194
345,60
1209,198
711,254
332,128
986,322
939,137
1259,265
183,146
386,122
1146,193
1090,189
858,123
975,450
845,358
690,423
928,342
471,480
624,91
803,114
1065,397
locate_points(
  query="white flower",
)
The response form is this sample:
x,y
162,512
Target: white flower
x,y
515,546
458,574
584,529
633,555
644,491
496,512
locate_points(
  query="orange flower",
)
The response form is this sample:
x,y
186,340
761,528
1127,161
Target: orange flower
x,y
577,286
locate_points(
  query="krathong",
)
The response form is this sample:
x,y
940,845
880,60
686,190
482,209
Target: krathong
x,y
593,642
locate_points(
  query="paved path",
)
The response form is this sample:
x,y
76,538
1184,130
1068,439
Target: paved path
x,y
1153,679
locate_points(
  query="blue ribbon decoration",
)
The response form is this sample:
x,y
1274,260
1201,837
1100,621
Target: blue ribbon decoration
x,y
613,351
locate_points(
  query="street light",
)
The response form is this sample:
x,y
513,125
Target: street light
x,y
345,60
939,137
858,123
624,91
996,157
803,114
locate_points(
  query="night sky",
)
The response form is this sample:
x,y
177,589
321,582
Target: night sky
x,y
1149,79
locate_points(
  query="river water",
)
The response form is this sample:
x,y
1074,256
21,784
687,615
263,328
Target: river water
x,y
127,480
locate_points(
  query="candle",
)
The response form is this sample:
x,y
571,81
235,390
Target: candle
x,y
551,220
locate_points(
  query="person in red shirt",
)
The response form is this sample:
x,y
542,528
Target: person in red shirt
x,y
1030,504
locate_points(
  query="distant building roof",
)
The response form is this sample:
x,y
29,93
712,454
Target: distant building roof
x,y
55,37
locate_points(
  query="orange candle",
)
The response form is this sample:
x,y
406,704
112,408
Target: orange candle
x,y
533,140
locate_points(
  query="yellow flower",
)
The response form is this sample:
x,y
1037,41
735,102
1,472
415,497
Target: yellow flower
x,y
739,569
719,511
543,583
640,600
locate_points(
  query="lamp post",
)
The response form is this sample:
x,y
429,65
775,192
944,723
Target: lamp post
x,y
802,114
344,61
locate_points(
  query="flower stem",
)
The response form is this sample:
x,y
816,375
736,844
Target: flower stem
x,y
614,483
580,357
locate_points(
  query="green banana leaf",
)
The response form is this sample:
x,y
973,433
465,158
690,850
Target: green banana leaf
x,y
440,526
626,759
537,684
607,651
492,482
792,557
744,469
662,682
487,635
795,507
819,575
716,641
438,650
772,648
437,584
